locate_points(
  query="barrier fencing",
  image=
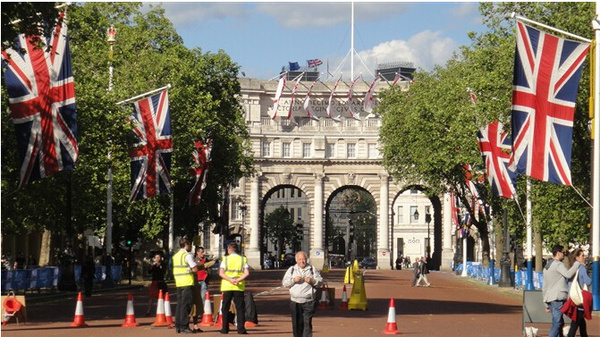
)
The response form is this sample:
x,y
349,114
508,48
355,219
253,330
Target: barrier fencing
x,y
48,277
476,270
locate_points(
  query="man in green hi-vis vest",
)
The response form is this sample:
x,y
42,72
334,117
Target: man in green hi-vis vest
x,y
184,269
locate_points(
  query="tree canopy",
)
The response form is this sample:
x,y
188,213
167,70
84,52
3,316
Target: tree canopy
x,y
148,54
429,131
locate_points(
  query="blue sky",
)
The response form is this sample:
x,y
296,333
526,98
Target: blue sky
x,y
263,37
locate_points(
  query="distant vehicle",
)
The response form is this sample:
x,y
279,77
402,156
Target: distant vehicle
x,y
368,263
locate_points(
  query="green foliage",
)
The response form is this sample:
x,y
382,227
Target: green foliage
x,y
30,18
280,229
148,54
429,131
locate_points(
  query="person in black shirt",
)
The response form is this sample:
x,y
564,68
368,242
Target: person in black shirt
x,y
157,270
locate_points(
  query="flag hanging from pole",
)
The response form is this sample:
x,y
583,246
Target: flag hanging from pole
x,y
546,79
350,96
309,112
40,86
293,96
199,169
495,147
368,101
454,210
151,153
328,109
278,92
314,63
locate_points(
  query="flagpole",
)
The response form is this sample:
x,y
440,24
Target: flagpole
x,y
596,168
352,44
514,15
529,280
168,86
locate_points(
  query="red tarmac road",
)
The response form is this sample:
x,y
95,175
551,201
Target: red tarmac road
x,y
452,306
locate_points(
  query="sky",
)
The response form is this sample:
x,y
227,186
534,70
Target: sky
x,y
262,37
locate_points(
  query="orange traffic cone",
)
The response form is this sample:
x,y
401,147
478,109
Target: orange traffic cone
x,y
344,305
168,316
78,321
390,327
161,319
207,317
324,302
129,315
219,322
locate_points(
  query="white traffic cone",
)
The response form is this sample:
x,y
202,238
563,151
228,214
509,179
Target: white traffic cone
x,y
391,328
130,314
207,317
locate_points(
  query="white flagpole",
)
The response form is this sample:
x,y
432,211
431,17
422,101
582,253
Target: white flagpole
x,y
464,257
529,280
352,44
108,236
596,169
168,86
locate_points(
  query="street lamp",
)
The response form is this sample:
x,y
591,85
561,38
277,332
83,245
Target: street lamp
x,y
243,209
428,221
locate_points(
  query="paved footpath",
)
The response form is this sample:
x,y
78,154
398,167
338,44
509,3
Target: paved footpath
x,y
452,306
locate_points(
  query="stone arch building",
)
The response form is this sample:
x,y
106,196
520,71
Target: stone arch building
x,y
322,156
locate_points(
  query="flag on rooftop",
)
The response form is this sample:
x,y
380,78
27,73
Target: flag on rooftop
x,y
368,101
546,79
350,98
41,95
314,63
293,96
328,109
294,66
151,153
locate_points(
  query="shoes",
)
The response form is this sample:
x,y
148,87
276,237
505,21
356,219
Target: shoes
x,y
186,330
243,333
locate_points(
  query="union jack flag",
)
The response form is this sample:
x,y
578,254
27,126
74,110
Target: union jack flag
x,y
545,83
151,154
495,147
199,170
454,210
314,63
480,205
41,94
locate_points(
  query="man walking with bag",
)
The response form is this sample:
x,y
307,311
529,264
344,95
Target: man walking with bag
x,y
555,290
302,279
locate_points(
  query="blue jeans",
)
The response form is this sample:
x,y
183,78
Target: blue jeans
x,y
203,289
557,319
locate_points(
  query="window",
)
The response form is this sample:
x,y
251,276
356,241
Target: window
x,y
400,214
292,210
351,150
237,213
413,209
293,192
373,152
299,193
286,150
306,150
330,150
299,213
266,149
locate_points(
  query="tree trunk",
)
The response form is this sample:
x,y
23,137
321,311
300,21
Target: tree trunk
x,y
485,243
45,248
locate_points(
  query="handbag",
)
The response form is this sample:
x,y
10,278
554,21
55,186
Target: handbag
x,y
575,291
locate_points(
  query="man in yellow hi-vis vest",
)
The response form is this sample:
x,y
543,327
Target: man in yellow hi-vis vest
x,y
184,269
233,272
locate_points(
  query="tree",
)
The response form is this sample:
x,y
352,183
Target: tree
x,y
31,18
148,54
428,132
280,230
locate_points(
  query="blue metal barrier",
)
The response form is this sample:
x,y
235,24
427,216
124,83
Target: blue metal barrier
x,y
476,270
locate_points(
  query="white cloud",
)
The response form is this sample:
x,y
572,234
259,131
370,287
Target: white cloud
x,y
298,15
425,50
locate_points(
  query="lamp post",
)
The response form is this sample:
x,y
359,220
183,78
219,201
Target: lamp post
x,y
243,209
428,221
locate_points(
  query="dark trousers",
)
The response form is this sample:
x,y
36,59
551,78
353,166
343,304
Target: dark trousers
x,y
302,314
185,299
240,310
578,323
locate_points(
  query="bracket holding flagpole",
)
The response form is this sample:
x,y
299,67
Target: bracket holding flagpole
x,y
168,86
513,15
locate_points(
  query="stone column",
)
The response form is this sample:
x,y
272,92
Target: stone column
x,y
317,254
253,251
383,246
